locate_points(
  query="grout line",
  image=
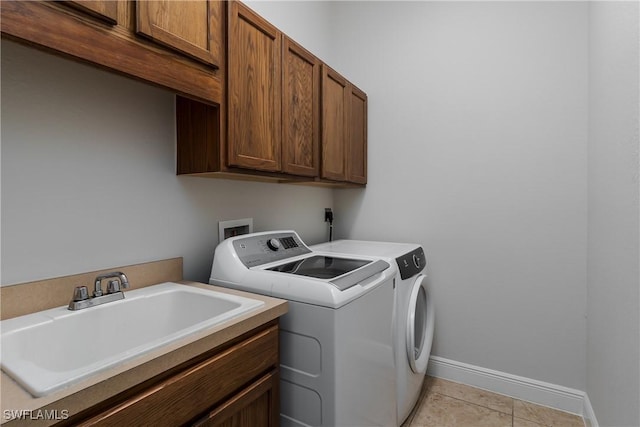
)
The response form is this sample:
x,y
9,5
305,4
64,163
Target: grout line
x,y
477,404
426,391
513,412
512,404
474,404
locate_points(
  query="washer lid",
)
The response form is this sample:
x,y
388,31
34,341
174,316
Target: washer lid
x,y
342,273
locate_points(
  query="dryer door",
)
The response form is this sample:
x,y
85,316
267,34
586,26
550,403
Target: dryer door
x,y
420,321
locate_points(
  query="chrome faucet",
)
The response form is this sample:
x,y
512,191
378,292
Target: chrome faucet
x,y
81,298
113,285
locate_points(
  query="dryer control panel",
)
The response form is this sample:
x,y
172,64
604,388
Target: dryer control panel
x,y
261,249
411,263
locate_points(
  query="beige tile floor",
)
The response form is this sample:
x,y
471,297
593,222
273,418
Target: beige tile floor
x,y
444,403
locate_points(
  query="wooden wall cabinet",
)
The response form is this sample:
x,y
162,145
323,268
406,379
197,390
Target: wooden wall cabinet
x,y
103,33
252,103
236,386
344,129
273,108
190,26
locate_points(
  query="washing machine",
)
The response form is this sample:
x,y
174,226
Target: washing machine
x,y
337,363
414,315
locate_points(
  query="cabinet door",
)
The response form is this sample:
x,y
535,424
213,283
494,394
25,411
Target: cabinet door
x,y
300,110
256,405
335,98
357,141
191,26
104,10
254,78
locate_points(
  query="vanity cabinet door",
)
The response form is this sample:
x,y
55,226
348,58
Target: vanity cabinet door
x,y
189,26
257,405
254,96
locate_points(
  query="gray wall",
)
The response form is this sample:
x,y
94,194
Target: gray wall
x,y
477,149
88,173
613,304
307,21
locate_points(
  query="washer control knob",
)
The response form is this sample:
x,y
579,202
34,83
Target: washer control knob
x,y
273,244
416,261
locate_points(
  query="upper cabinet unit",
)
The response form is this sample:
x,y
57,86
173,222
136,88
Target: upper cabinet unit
x,y
252,103
190,27
273,108
274,98
187,47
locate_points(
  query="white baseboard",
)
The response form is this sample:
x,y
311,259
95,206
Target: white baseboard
x,y
539,392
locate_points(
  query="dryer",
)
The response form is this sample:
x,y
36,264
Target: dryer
x,y
337,340
414,313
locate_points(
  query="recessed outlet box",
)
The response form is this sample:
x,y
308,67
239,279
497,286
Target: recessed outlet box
x,y
234,227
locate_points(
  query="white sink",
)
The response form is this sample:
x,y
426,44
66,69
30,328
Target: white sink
x,y
49,350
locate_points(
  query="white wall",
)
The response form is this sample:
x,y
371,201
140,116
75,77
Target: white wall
x,y
88,174
613,322
477,150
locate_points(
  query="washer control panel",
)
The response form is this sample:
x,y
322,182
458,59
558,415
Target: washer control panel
x,y
261,249
411,263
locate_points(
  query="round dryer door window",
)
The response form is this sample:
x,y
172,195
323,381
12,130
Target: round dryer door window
x,y
419,326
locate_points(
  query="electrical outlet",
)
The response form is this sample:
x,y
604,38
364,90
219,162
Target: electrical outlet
x,y
328,215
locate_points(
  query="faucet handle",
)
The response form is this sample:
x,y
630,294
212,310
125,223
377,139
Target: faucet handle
x,y
113,286
80,293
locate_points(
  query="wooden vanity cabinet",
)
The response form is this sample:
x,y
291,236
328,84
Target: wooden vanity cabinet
x,y
256,405
235,386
